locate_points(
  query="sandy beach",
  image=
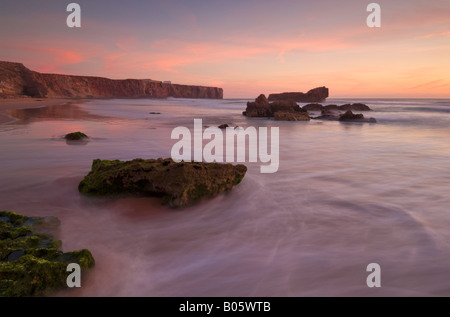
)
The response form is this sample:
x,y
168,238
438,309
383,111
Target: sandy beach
x,y
27,103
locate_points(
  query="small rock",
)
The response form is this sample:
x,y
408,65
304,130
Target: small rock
x,y
76,136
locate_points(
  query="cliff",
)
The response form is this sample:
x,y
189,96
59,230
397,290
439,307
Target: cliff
x,y
16,80
319,94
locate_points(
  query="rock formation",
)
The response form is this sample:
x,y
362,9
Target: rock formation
x,y
319,94
16,80
349,116
179,184
31,260
286,110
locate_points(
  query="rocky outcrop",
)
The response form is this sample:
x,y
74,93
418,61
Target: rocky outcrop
x,y
179,184
286,110
31,260
17,80
319,94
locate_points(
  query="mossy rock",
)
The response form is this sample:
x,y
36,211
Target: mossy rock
x,y
179,184
76,136
31,261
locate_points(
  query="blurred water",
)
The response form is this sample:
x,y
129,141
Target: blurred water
x,y
345,195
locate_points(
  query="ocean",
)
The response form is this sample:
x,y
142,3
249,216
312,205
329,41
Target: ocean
x,y
345,195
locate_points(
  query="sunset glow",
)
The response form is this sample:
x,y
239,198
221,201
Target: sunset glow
x,y
245,47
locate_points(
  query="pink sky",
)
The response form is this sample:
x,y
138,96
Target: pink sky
x,y
245,47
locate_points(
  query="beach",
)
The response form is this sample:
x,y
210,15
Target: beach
x,y
345,195
26,103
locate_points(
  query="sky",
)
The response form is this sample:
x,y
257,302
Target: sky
x,y
245,47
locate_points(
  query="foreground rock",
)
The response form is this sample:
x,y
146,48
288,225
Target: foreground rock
x,y
179,184
31,260
319,94
287,110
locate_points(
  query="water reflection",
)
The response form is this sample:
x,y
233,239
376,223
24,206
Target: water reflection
x,y
60,112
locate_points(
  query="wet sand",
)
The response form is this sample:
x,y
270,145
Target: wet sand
x,y
28,103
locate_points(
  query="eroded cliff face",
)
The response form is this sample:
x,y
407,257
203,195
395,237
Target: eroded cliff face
x,y
319,94
17,80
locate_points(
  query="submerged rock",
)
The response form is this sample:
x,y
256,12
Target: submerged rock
x,y
331,108
76,136
179,184
349,116
223,126
355,107
313,107
31,260
291,116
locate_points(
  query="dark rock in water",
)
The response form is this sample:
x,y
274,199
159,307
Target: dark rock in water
x,y
223,126
330,107
319,94
285,106
262,100
291,116
179,184
154,112
328,115
262,108
349,116
76,136
313,107
259,108
31,262
355,107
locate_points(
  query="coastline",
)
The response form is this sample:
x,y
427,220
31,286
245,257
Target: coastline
x,y
28,103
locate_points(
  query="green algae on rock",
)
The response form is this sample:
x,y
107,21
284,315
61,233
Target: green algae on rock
x,y
76,136
31,260
179,184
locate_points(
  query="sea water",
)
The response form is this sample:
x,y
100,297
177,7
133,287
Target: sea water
x,y
345,195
